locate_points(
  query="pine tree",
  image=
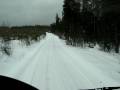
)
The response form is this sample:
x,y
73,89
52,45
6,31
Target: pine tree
x,y
71,11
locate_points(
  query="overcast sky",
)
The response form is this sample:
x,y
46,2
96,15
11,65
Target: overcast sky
x,y
29,12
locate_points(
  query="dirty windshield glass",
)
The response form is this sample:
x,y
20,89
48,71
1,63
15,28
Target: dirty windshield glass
x,y
61,44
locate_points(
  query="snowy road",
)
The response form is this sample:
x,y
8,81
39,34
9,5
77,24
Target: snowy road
x,y
52,65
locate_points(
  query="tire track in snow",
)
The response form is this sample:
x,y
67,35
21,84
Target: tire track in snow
x,y
98,76
58,73
71,68
20,69
35,63
54,66
46,57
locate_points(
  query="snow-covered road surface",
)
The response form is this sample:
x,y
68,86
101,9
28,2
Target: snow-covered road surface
x,y
52,65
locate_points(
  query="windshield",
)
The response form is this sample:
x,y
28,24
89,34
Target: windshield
x,y
61,44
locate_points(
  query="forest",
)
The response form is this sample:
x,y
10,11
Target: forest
x,y
19,32
90,22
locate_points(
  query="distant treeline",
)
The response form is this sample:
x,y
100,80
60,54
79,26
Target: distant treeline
x,y
18,32
90,22
25,34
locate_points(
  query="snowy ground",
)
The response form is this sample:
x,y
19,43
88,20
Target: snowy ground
x,y
52,65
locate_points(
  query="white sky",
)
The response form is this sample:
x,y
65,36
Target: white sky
x,y
29,12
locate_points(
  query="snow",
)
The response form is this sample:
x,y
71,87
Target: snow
x,y
52,65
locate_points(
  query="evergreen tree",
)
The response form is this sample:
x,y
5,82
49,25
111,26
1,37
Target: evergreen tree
x,y
91,21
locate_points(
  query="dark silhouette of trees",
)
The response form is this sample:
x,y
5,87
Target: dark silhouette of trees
x,y
57,27
90,22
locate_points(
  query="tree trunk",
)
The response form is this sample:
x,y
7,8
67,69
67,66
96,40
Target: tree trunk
x,y
117,48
